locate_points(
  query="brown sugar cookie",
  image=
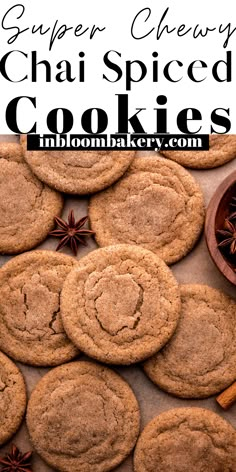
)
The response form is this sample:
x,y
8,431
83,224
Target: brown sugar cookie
x,y
222,149
31,329
186,440
27,207
120,304
12,398
157,205
78,172
83,417
200,359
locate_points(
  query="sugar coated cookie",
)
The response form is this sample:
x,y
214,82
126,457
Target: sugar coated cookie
x,y
120,304
200,359
78,172
157,205
186,440
83,417
12,398
222,149
27,207
31,329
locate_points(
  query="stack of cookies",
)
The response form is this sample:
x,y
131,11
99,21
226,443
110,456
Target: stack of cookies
x,y
119,305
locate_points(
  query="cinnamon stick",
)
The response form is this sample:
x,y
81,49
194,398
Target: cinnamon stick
x,y
228,397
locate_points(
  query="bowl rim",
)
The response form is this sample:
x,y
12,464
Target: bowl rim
x,y
211,212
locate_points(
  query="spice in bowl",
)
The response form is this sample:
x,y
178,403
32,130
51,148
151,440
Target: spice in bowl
x,y
226,236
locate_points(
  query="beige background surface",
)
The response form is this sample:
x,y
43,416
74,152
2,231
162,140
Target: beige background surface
x,y
197,267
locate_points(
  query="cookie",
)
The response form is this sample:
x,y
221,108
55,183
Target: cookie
x,y
186,440
78,172
83,417
31,329
157,205
120,304
23,142
222,149
11,152
27,207
200,359
12,398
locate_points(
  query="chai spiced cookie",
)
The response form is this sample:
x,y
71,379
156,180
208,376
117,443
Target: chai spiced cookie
x,y
27,207
157,205
120,304
83,417
12,398
23,142
11,152
222,149
31,329
78,172
200,359
186,440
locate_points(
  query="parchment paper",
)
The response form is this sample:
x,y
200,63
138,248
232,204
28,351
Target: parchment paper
x,y
197,267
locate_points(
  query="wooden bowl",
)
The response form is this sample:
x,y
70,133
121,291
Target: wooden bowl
x,y
217,211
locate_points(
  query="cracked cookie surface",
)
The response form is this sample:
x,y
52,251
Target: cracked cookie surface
x,y
120,304
222,149
78,172
200,359
12,398
157,205
83,417
31,329
27,207
184,440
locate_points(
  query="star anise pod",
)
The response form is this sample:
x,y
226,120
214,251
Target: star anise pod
x,y
71,232
15,461
229,236
232,216
233,203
